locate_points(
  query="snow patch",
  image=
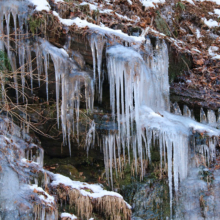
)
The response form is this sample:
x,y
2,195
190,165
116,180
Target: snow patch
x,y
212,53
102,30
91,6
190,1
210,23
91,190
151,3
217,11
67,215
41,5
47,198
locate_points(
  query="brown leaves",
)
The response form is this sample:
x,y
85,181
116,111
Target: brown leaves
x,y
199,62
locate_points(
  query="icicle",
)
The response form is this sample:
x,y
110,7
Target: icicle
x,y
211,117
46,58
3,86
28,51
218,119
1,32
176,109
7,18
14,69
97,44
39,63
90,136
186,111
203,118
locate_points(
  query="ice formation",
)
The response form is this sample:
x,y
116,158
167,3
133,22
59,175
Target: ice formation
x,y
139,95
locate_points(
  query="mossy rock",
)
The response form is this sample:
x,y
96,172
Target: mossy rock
x,y
68,170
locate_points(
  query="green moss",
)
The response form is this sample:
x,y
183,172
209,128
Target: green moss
x,y
181,6
162,25
35,24
95,14
4,61
85,9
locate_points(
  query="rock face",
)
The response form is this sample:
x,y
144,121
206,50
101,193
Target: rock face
x,y
30,192
75,59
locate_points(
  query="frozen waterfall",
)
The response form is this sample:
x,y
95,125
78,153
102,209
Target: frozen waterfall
x,y
139,96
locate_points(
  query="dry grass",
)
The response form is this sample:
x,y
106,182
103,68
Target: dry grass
x,y
111,207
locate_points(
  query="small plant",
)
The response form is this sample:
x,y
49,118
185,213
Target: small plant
x,y
4,61
181,6
161,25
35,23
95,14
85,9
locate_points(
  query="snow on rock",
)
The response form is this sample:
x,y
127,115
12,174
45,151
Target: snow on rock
x,y
67,216
190,1
215,1
67,22
56,1
91,190
217,12
151,3
212,51
124,17
16,172
91,6
102,30
41,5
210,23
87,197
44,196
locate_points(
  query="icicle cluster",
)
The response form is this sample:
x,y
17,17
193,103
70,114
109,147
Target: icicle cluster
x,y
139,98
68,76
71,79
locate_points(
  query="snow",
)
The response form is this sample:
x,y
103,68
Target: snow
x,y
151,3
123,17
96,190
198,34
215,1
105,11
67,215
56,1
102,30
212,51
91,6
210,23
217,11
190,1
41,5
67,22
48,199
196,50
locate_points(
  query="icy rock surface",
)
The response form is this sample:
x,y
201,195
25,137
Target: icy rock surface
x,y
17,198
